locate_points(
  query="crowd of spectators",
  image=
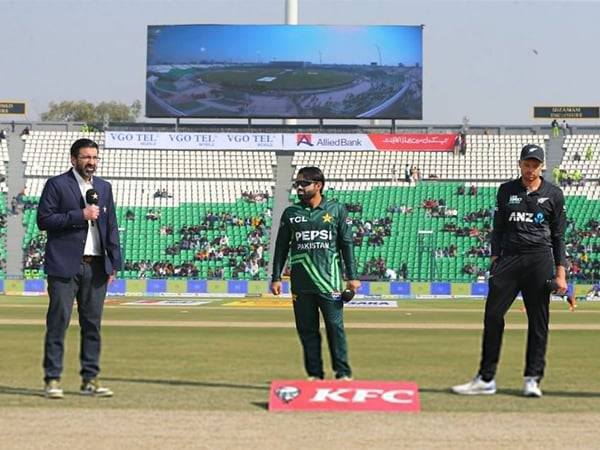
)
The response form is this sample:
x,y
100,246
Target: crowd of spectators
x,y
245,260
354,207
34,253
374,231
564,178
438,208
582,265
374,268
162,193
147,269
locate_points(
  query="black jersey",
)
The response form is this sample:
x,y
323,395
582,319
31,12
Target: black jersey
x,y
529,222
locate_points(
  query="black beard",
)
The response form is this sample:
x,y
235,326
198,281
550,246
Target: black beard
x,y
83,174
306,196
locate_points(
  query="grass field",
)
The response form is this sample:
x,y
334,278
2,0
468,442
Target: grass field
x,y
296,79
215,361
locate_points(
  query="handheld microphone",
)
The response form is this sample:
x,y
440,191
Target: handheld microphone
x,y
347,295
91,198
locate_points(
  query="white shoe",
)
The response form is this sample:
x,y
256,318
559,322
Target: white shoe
x,y
532,387
93,388
53,389
475,387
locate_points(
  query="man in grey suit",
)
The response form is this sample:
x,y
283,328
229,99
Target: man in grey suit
x,y
82,256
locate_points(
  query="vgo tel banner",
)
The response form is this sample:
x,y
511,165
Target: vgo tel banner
x,y
300,395
193,141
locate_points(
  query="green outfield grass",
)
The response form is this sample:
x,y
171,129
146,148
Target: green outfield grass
x,y
296,79
229,368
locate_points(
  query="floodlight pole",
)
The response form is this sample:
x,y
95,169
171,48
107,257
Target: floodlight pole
x,y
291,18
291,12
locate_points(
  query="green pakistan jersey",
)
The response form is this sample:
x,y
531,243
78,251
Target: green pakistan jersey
x,y
316,238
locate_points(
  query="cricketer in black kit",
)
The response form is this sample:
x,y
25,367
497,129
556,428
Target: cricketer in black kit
x,y
528,250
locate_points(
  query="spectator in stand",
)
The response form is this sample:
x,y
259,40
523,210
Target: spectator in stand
x,y
407,175
390,274
473,190
457,144
555,128
129,215
463,143
460,190
576,156
404,271
589,153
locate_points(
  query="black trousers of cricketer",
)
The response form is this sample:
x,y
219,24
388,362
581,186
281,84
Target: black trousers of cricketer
x,y
306,313
509,275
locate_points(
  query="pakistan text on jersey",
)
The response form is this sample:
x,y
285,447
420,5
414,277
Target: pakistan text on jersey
x,y
313,246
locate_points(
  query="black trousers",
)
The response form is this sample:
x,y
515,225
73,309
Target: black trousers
x,y
88,286
306,313
509,275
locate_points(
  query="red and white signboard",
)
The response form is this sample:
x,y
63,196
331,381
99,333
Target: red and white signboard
x,y
413,142
278,141
299,395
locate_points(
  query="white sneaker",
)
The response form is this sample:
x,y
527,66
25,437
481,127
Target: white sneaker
x,y
53,389
532,387
475,387
93,388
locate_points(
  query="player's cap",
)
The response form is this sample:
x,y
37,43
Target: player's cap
x,y
532,151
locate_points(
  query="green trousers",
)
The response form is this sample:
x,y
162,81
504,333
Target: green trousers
x,y
306,312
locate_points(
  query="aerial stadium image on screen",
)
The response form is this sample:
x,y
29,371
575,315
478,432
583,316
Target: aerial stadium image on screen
x,y
310,71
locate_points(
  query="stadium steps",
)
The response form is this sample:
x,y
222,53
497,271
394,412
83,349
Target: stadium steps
x,y
283,175
15,182
554,155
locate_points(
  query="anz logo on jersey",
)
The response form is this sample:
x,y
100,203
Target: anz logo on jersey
x,y
537,218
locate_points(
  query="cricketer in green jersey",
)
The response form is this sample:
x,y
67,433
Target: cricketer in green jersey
x,y
316,232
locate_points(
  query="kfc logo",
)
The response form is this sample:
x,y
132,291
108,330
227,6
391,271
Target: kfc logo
x,y
288,395
404,396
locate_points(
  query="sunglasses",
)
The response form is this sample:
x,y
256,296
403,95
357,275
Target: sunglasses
x,y
302,183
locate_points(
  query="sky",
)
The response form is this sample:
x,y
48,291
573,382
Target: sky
x,y
265,43
491,61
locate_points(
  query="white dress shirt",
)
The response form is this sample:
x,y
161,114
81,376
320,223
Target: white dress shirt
x,y
92,241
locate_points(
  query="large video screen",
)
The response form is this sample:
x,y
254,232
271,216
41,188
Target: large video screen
x,y
284,71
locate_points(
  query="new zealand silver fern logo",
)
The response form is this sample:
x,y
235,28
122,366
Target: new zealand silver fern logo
x,y
287,393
